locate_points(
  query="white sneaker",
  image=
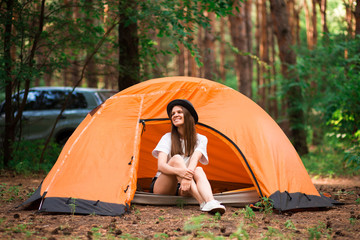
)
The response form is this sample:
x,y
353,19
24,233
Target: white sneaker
x,y
213,206
202,205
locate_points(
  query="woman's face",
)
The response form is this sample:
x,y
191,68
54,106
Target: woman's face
x,y
177,116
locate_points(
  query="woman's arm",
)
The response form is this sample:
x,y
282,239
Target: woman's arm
x,y
194,159
165,168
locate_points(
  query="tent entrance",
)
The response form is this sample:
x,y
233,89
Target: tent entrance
x,y
225,171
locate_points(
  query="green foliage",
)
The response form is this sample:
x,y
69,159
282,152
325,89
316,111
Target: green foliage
x,y
357,201
290,225
327,160
26,155
248,213
240,233
265,205
330,84
9,193
195,223
161,236
319,231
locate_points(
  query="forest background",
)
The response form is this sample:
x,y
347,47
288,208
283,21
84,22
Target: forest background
x,y
298,59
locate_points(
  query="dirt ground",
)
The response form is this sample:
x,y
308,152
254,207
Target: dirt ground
x,y
150,222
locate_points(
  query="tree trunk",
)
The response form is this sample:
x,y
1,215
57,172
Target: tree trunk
x,y
349,17
209,54
9,131
129,64
239,28
309,26
222,50
314,22
263,55
322,5
280,19
181,60
357,17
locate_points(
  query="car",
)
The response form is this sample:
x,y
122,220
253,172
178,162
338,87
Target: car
x,y
43,106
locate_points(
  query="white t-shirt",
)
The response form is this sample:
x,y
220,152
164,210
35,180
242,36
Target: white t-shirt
x,y
164,145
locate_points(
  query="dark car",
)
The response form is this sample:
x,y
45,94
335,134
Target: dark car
x,y
43,106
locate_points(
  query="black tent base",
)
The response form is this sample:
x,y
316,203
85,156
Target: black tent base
x,y
299,201
73,205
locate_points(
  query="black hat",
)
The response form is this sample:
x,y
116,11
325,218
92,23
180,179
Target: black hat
x,y
184,103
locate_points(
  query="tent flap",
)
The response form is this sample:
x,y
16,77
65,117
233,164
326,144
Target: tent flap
x,y
284,201
33,201
81,206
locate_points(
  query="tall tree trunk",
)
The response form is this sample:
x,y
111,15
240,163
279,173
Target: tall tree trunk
x,y
274,110
322,5
209,54
200,33
129,63
239,35
349,17
309,26
264,55
357,18
222,50
287,56
91,70
181,60
314,22
8,62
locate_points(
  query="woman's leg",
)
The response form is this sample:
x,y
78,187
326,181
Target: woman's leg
x,y
166,184
203,184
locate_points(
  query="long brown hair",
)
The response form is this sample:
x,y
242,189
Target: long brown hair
x,y
190,138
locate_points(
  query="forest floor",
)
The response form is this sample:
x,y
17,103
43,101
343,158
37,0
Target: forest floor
x,y
151,222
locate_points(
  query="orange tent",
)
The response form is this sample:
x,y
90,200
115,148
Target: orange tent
x,y
108,157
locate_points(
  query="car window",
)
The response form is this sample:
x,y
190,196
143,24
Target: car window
x,y
33,101
55,100
105,95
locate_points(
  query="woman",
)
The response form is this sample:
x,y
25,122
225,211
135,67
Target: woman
x,y
178,154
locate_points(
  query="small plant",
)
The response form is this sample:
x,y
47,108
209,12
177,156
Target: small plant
x,y
72,205
136,210
273,232
217,216
161,236
290,225
95,232
209,235
195,223
9,194
248,213
319,231
357,201
161,218
240,233
265,205
352,221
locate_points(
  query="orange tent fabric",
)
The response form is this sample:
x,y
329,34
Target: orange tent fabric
x,y
102,164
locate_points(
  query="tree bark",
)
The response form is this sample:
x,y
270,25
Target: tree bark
x,y
209,54
239,28
129,63
280,19
323,5
222,70
357,17
309,26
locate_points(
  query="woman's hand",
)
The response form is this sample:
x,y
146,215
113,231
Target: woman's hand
x,y
186,173
185,185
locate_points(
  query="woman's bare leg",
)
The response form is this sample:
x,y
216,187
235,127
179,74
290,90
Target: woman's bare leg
x,y
166,184
203,184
